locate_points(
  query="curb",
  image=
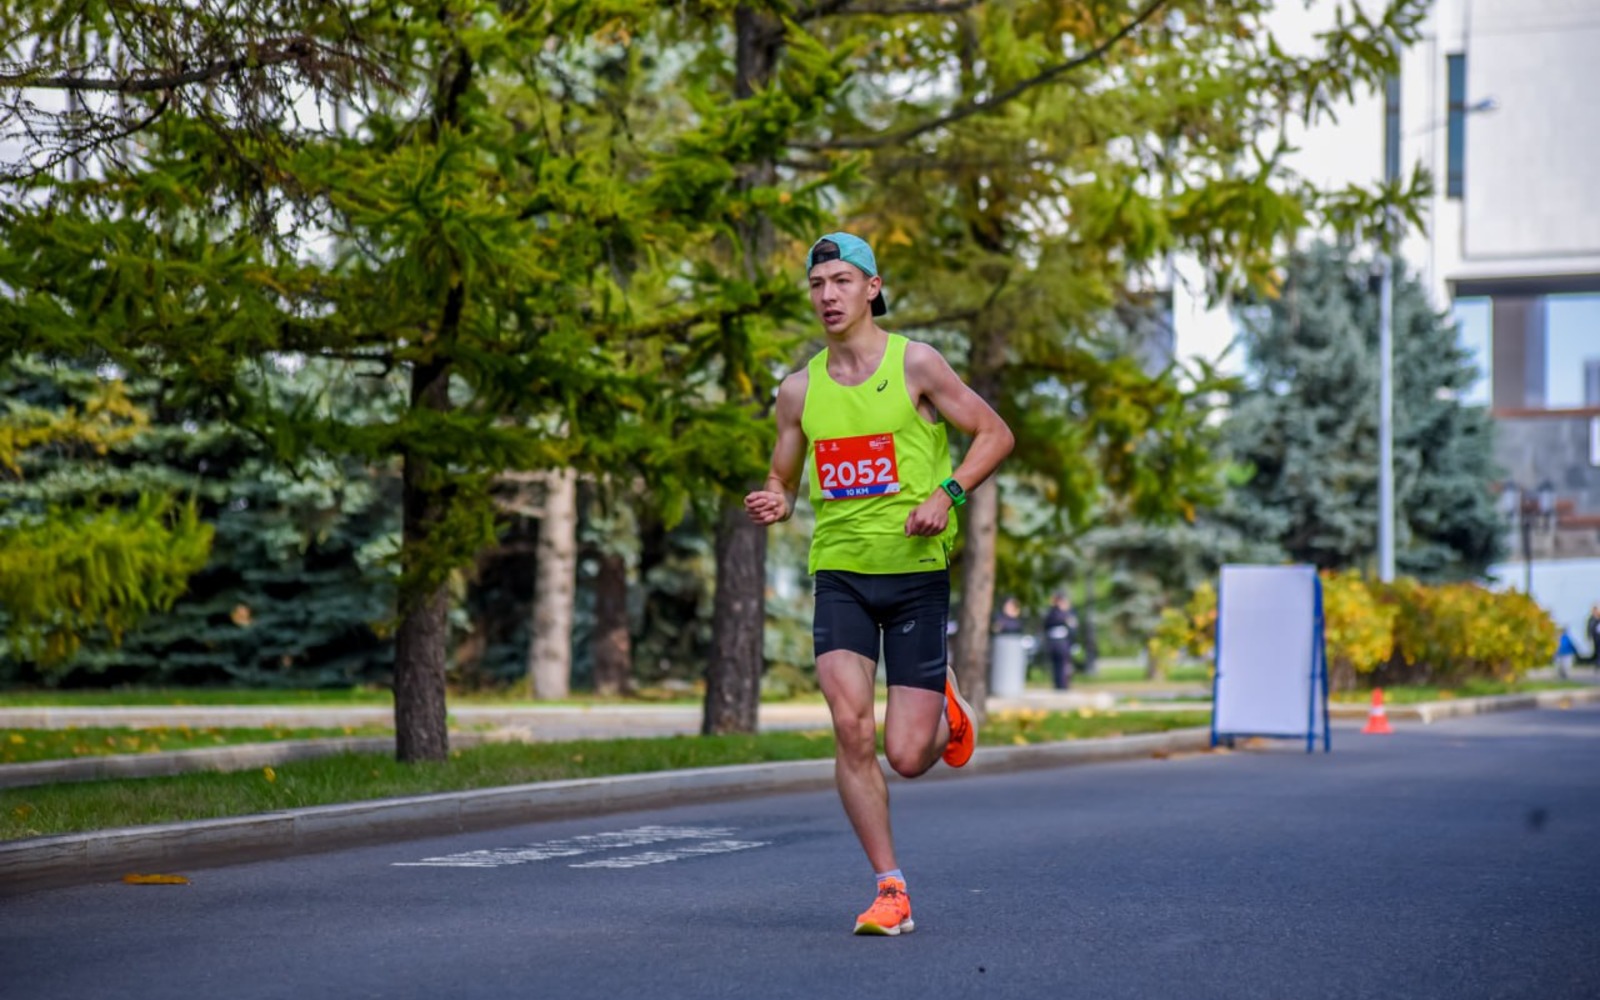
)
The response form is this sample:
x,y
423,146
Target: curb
x,y
76,859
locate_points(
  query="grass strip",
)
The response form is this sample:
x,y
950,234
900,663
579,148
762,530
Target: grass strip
x,y
67,808
24,746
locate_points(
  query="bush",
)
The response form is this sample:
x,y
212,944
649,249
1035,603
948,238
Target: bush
x,y
1404,633
1357,627
1191,631
1448,633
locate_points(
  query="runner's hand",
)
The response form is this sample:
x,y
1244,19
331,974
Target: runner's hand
x,y
766,507
930,517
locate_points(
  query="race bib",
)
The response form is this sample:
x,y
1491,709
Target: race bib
x,y
865,466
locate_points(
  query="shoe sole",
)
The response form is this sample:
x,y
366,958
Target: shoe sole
x,y
869,929
966,708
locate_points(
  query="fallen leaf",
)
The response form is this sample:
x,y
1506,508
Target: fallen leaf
x,y
155,880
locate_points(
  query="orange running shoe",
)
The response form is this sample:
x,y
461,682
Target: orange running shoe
x,y
963,730
890,913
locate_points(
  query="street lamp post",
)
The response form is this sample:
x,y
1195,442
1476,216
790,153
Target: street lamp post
x,y
1386,407
1527,544
1391,234
1525,505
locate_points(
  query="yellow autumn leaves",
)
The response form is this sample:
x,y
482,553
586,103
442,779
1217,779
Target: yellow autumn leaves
x,y
1422,633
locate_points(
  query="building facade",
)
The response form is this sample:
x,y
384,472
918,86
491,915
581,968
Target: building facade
x,y
1497,102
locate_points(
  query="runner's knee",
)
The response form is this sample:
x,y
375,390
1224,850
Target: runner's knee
x,y
909,764
856,735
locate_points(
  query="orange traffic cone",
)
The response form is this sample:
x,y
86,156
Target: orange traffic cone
x,y
1377,718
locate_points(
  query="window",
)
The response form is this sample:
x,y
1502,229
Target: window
x,y
1474,320
1572,351
1456,127
1391,128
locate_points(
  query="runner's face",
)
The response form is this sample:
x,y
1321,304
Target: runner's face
x,y
841,294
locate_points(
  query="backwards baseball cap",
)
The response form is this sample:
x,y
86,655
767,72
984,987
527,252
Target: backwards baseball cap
x,y
851,250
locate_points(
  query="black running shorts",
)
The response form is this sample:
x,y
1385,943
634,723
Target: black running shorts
x,y
903,614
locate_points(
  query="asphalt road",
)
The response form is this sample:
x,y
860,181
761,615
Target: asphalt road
x,y
1458,860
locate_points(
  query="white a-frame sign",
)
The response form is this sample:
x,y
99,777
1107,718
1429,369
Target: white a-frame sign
x,y
1271,667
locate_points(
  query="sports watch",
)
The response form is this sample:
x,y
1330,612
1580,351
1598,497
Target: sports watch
x,y
953,490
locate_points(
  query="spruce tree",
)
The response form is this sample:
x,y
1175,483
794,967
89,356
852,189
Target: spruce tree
x,y
1308,426
84,548
295,591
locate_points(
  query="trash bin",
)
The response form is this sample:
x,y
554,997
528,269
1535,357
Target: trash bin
x,y
1008,665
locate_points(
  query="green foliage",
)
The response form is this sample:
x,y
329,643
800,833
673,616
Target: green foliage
x,y
419,247
80,555
1028,171
69,571
299,583
1308,427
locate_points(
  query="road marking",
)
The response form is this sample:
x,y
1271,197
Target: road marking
x,y
701,841
686,851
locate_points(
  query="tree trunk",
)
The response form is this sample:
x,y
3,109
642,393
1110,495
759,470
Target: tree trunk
x,y
733,677
420,726
971,652
555,583
987,358
613,654
1091,645
733,680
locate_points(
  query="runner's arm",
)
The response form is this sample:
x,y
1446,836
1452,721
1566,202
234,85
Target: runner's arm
x,y
933,378
775,500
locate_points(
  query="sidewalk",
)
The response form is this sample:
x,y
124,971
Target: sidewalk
x,y
73,859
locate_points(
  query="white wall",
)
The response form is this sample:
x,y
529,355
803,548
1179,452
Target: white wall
x,y
1531,193
1567,589
1532,177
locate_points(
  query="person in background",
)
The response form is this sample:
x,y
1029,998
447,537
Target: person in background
x,y
1591,631
1008,620
1060,629
1566,652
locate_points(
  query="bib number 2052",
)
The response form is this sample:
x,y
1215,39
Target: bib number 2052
x,y
852,467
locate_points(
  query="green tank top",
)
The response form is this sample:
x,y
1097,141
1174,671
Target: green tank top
x,y
873,459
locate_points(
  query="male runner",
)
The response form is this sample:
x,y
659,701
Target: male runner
x,y
863,419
